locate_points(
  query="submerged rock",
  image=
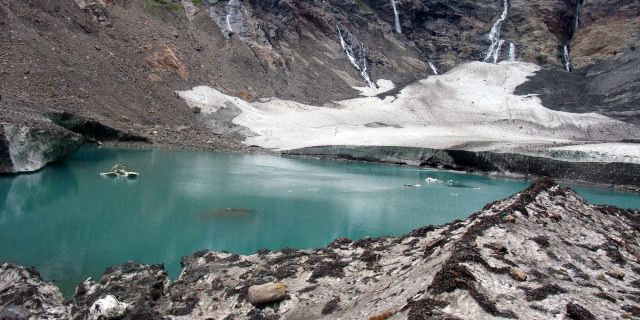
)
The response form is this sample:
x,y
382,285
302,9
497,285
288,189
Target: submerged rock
x,y
455,271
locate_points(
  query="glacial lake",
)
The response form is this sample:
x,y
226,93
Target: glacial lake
x,y
71,223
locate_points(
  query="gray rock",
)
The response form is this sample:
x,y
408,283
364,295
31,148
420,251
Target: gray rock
x,y
29,141
518,274
266,293
616,273
107,307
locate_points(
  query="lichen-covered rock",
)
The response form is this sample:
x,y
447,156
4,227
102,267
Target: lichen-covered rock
x,y
518,274
23,295
616,273
448,272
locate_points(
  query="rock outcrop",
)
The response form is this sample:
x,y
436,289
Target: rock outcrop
x,y
606,30
29,141
539,254
23,295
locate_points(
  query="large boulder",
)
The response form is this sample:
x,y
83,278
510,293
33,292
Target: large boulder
x,y
29,141
107,307
267,293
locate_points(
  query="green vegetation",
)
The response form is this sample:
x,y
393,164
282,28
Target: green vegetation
x,y
198,2
542,59
363,5
164,4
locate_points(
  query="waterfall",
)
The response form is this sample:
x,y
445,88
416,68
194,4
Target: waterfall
x,y
230,18
347,49
433,67
576,23
567,58
229,29
395,13
512,52
496,55
364,72
494,35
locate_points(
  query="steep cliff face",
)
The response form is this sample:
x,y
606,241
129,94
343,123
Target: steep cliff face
x,y
450,32
605,30
30,141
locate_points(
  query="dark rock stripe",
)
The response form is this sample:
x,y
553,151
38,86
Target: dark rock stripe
x,y
6,165
624,174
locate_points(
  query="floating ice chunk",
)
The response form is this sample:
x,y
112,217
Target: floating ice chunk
x,y
433,180
413,185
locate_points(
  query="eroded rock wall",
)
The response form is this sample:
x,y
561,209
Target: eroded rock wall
x,y
606,30
30,141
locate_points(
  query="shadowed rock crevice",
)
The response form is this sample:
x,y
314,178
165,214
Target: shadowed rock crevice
x,y
93,130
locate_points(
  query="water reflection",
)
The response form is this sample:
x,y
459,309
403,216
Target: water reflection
x,y
27,192
242,213
71,223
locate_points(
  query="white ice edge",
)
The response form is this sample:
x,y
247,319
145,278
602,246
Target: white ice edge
x,y
472,107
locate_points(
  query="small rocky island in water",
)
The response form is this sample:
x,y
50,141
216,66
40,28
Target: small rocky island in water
x,y
543,253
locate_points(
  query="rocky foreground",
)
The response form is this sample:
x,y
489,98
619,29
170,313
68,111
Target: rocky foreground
x,y
543,253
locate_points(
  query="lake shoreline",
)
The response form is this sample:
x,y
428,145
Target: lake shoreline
x,y
414,158
376,154
426,270
510,165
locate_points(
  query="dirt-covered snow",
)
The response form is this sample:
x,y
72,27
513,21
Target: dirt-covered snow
x,y
610,152
471,107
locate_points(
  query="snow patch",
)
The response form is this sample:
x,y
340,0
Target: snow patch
x,y
471,107
209,100
382,86
609,152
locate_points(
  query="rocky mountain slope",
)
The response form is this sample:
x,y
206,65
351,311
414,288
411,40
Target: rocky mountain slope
x,y
543,253
113,65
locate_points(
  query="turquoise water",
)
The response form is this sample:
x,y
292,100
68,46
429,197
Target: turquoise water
x,y
71,223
